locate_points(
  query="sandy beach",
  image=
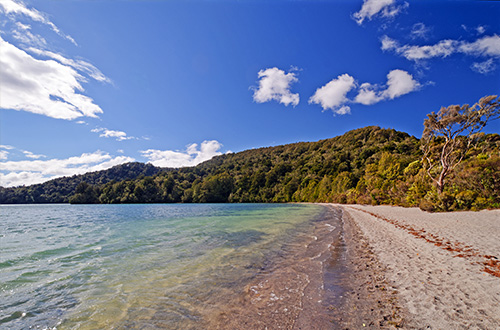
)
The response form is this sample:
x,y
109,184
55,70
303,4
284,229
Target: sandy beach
x,y
382,268
330,279
443,266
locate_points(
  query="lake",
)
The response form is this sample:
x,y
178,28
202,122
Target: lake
x,y
152,266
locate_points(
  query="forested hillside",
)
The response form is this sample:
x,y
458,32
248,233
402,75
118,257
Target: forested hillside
x,y
367,166
59,190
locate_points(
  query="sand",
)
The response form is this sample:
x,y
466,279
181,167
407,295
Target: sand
x,y
330,279
377,267
444,266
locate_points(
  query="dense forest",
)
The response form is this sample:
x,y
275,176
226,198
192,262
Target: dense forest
x,y
370,165
61,189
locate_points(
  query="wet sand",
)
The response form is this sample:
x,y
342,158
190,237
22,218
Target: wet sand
x,y
380,268
331,279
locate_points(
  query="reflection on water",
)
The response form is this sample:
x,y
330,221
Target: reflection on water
x,y
136,266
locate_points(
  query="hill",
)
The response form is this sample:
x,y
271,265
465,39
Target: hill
x,y
370,165
59,190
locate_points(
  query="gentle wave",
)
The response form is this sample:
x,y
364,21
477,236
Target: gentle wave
x,y
132,266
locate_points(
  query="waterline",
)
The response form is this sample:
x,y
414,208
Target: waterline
x,y
131,266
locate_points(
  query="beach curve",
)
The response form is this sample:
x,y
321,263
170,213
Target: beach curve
x,y
444,266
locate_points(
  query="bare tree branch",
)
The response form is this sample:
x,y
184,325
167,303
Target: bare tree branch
x,y
443,141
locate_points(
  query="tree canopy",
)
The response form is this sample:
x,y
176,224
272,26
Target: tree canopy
x,y
370,165
449,134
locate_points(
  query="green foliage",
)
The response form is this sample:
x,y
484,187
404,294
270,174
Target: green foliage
x,y
61,189
85,194
366,166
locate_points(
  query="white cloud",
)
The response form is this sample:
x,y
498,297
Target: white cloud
x,y
107,133
388,43
274,84
22,33
26,153
487,46
371,8
333,95
3,146
79,65
31,155
44,87
415,53
419,31
399,83
11,7
368,94
191,157
484,67
4,154
480,29
29,172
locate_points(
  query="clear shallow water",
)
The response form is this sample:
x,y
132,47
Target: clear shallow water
x,y
134,266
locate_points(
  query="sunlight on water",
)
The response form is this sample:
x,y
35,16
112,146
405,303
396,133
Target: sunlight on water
x,y
134,266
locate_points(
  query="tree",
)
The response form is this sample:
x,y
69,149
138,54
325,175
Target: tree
x,y
85,194
450,133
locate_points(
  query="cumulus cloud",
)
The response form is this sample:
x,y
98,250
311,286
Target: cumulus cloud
x,y
13,8
27,172
368,94
487,46
44,87
274,84
399,83
38,80
333,95
192,156
383,8
107,133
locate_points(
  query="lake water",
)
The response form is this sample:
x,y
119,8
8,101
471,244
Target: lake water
x,y
137,266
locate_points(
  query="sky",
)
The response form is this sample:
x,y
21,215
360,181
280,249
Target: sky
x,y
86,85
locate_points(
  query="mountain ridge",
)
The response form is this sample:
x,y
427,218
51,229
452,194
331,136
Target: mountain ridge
x,y
369,165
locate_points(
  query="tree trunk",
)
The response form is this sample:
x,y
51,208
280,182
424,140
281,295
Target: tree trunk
x,y
440,180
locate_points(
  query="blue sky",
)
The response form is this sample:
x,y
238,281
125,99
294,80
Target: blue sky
x,y
85,85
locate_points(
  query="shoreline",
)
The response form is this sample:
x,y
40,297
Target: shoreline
x,y
330,280
371,300
379,267
444,266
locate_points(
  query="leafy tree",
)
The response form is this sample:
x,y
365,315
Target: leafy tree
x,y
85,194
369,165
450,133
